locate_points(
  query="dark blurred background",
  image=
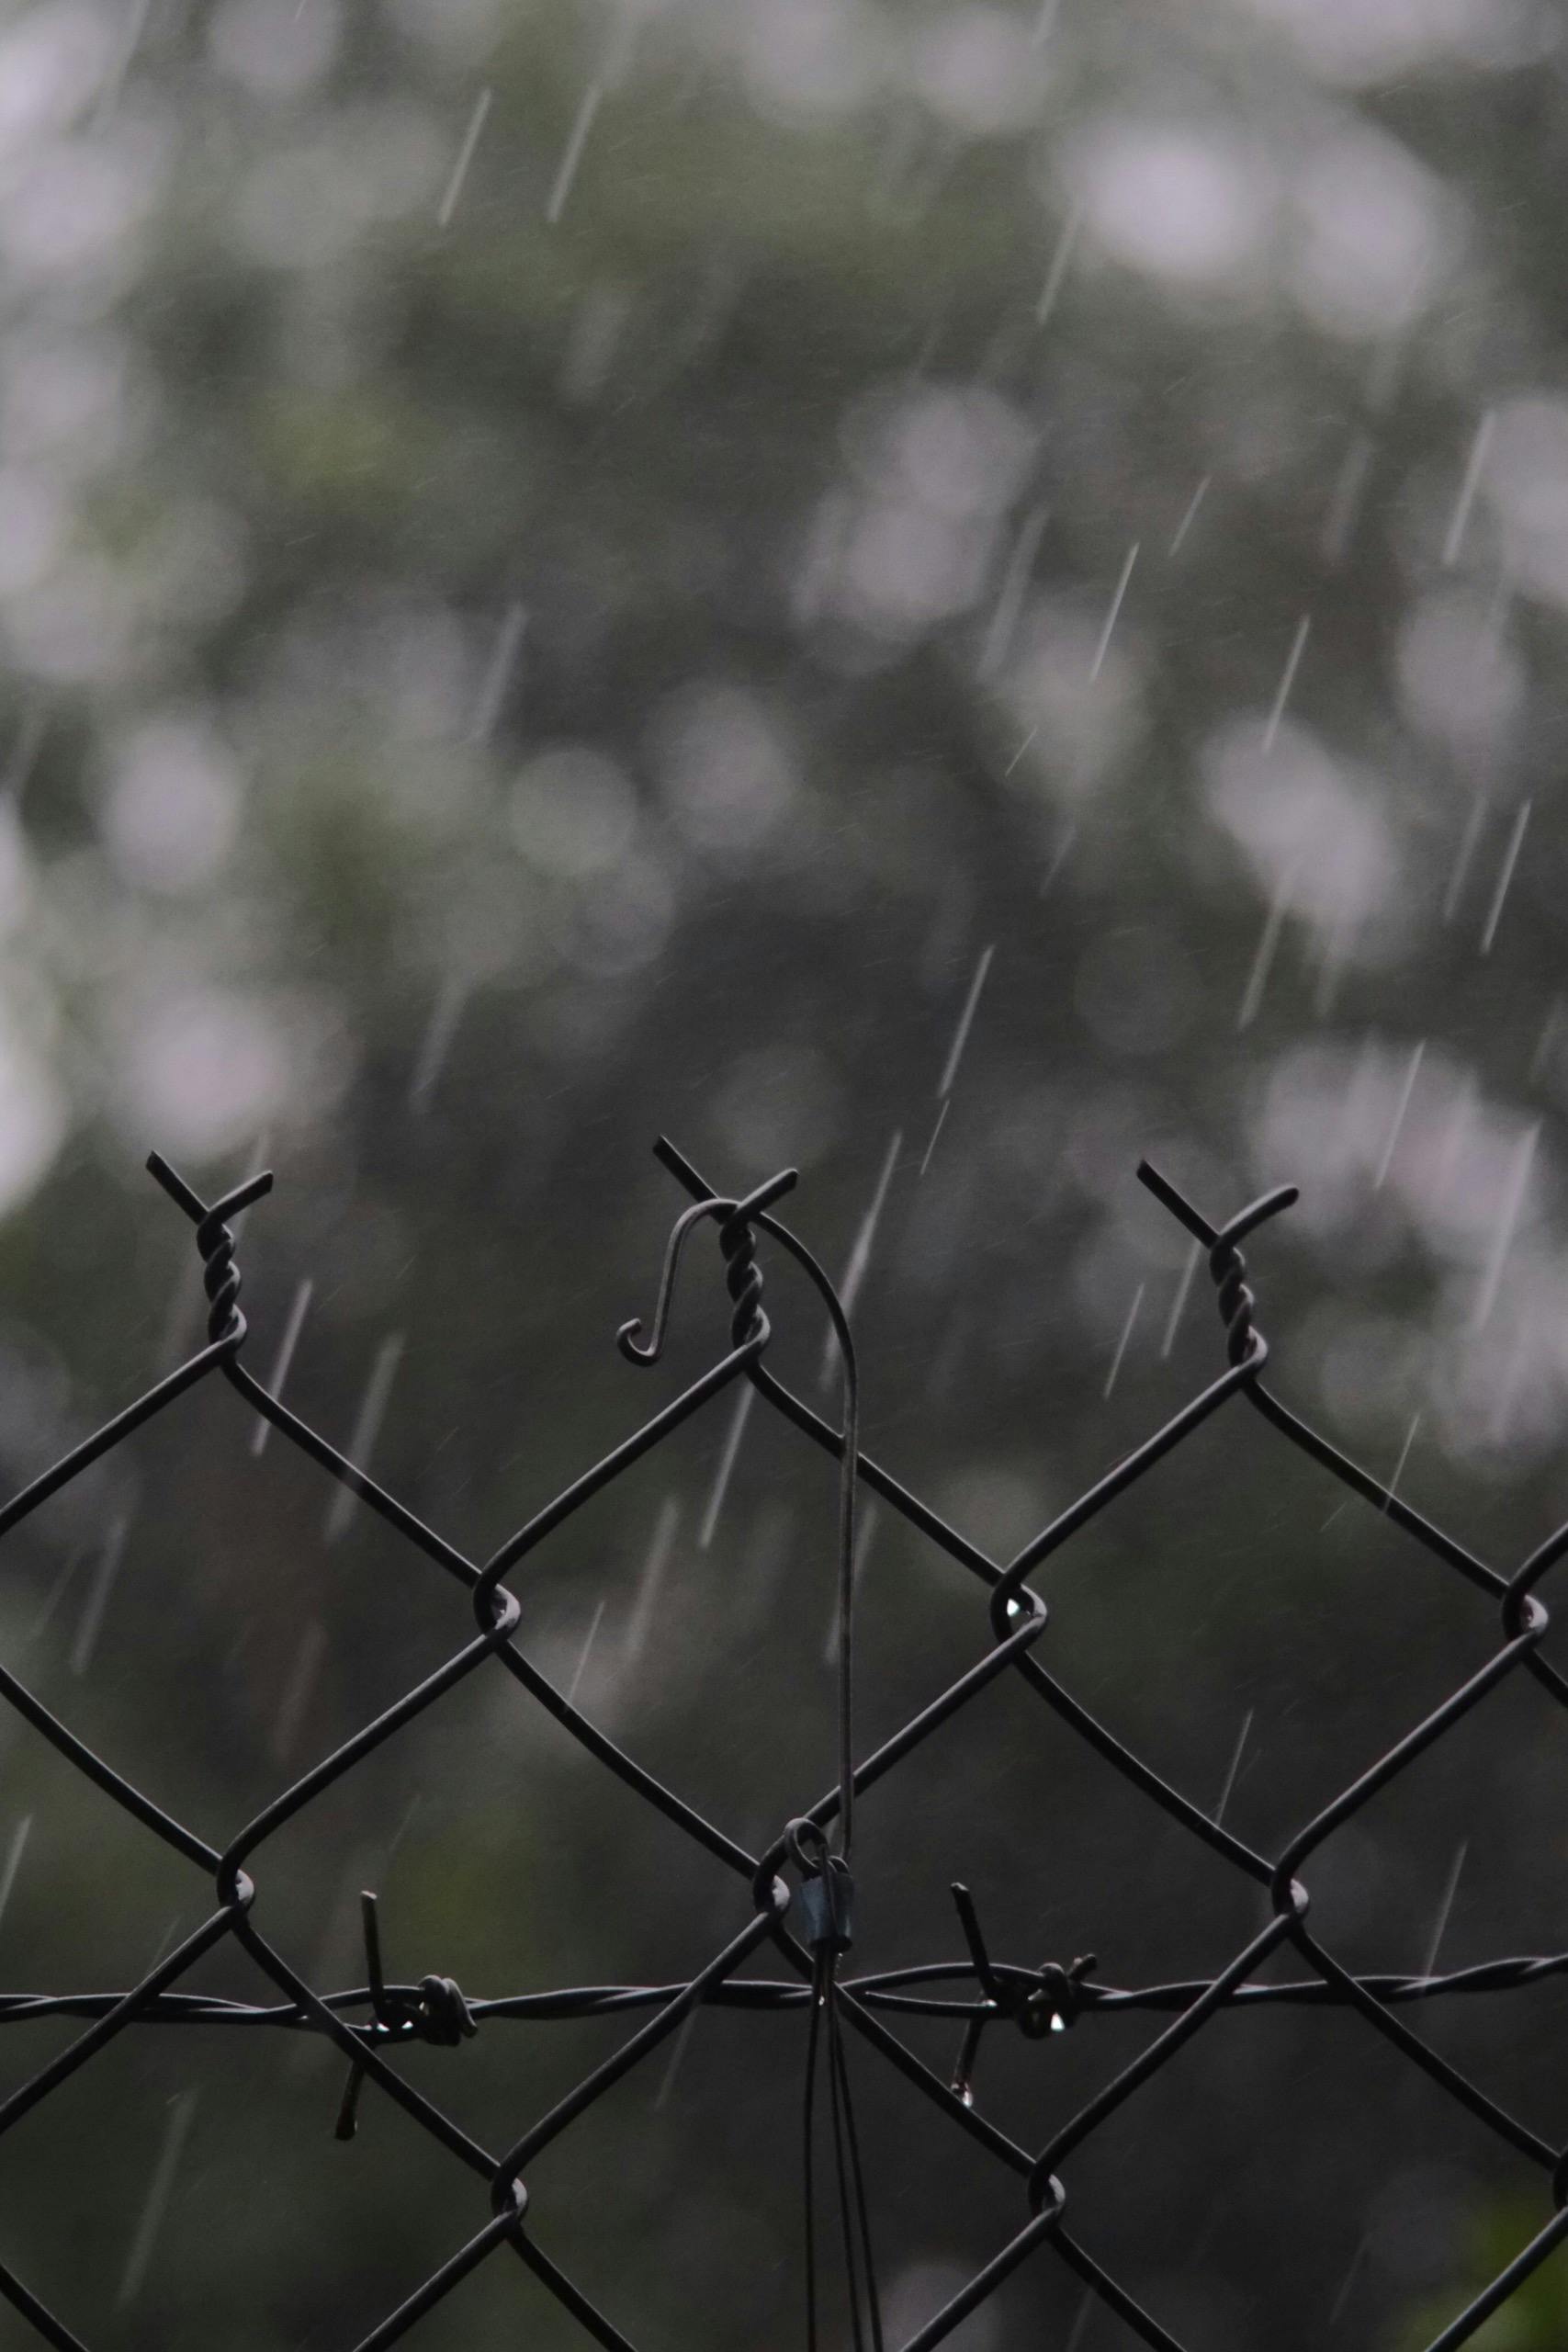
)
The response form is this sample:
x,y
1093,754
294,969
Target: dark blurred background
x,y
784,571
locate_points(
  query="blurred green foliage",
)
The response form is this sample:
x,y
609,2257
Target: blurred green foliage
x,y
559,578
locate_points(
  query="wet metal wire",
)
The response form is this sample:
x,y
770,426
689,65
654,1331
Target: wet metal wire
x,y
793,1897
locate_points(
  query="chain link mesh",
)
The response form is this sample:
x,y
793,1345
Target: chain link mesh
x,y
778,1893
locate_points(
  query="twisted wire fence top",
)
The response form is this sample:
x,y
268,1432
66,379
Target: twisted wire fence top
x,y
791,1900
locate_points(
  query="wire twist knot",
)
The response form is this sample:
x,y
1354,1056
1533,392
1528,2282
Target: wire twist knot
x,y
219,1277
742,1278
434,2011
215,1242
1227,1268
1054,2002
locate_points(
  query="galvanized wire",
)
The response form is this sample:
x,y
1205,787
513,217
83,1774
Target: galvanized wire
x,y
784,1911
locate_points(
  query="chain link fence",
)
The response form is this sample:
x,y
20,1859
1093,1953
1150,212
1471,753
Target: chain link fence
x,y
794,1899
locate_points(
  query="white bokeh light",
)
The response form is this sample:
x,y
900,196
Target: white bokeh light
x,y
1182,201
172,805
201,1068
573,811
1309,825
1525,482
979,68
1375,233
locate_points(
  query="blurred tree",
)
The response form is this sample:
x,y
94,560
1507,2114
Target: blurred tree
x,y
953,589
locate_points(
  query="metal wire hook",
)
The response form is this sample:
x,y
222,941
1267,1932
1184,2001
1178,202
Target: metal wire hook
x,y
734,1216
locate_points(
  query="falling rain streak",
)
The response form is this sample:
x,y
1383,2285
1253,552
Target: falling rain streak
x,y
597,1620
677,2052
1003,625
497,679
560,188
1345,505
1268,948
1122,1342
366,1429
650,1582
860,1254
13,1863
440,1033
298,1690
1235,1766
284,1358
1510,859
1079,2328
1404,1457
863,1535
159,2191
1103,646
1060,262
1470,483
1503,1233
1191,516
1020,751
1184,1285
454,188
1400,1110
941,1116
1445,1910
726,1465
1287,680
1465,855
98,1601
1547,1040
965,1023
1342,2298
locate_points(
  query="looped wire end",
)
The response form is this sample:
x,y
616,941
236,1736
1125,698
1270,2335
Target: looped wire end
x,y
826,1889
742,1277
